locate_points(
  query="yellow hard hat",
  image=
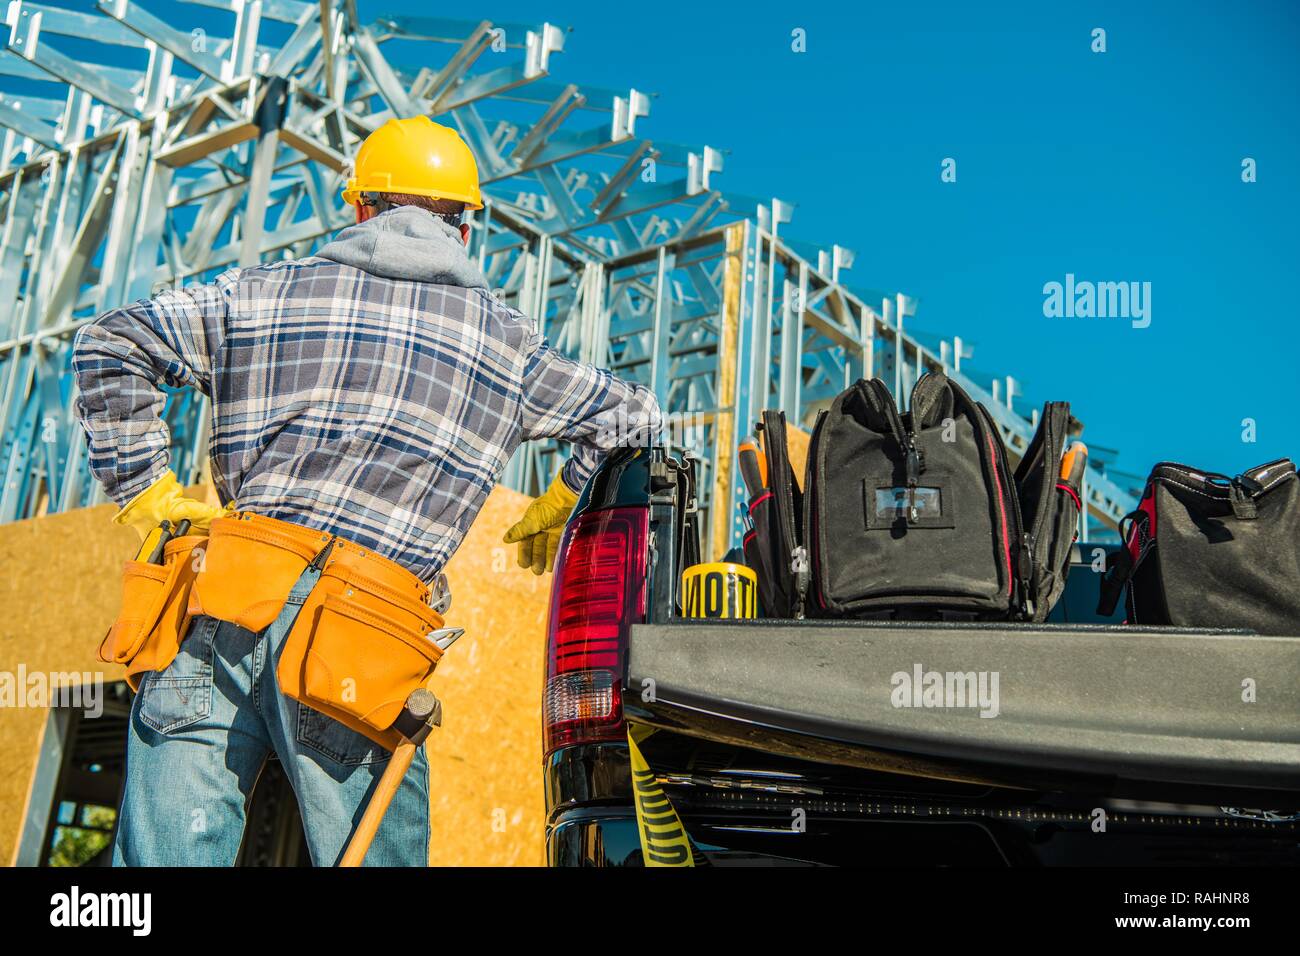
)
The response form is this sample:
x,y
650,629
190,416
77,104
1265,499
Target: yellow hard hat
x,y
418,157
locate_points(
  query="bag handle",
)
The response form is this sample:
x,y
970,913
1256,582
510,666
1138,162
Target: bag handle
x,y
1241,493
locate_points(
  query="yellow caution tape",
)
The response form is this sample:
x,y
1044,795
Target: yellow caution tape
x,y
719,590
663,838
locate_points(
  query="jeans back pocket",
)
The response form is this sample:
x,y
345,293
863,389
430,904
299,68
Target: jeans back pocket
x,y
181,695
328,737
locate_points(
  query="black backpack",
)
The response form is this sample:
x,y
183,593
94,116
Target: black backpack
x,y
1206,550
918,515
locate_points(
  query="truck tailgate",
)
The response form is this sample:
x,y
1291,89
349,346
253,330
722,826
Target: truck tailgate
x,y
1114,704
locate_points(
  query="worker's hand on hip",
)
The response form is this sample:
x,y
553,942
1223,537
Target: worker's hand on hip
x,y
164,500
542,525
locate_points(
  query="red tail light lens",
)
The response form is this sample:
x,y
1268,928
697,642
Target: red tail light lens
x,y
597,594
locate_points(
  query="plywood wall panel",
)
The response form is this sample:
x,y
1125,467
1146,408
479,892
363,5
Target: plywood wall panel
x,y
59,588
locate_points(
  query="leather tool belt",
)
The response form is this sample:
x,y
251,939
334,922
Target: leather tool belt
x,y
362,641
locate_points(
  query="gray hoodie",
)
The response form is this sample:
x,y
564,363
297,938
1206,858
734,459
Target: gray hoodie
x,y
406,243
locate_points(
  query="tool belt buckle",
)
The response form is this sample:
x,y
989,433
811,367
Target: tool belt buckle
x,y
440,594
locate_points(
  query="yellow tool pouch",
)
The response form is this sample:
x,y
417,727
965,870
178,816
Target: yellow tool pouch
x,y
250,565
358,647
154,616
361,643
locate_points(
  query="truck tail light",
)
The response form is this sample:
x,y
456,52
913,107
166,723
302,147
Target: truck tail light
x,y
597,594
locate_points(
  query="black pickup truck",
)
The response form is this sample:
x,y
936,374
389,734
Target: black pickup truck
x,y
805,743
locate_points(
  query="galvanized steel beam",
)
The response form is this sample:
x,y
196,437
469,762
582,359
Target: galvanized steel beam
x,y
233,151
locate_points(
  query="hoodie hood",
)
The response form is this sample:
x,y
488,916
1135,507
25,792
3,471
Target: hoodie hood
x,y
406,243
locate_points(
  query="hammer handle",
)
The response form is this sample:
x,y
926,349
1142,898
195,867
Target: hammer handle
x,y
398,764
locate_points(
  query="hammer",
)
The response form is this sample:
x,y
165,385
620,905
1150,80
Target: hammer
x,y
421,713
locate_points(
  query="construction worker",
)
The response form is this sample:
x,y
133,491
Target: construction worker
x,y
374,391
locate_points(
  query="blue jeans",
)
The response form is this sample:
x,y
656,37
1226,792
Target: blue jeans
x,y
201,731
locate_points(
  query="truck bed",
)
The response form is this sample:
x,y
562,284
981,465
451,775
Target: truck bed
x,y
1154,713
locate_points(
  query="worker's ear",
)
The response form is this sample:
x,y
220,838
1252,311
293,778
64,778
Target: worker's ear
x,y
364,211
464,233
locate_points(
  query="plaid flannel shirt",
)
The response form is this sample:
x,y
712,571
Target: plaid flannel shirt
x,y
383,410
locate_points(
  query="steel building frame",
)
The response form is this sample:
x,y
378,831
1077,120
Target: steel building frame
x,y
227,144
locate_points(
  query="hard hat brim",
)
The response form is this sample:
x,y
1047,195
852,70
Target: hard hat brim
x,y
352,194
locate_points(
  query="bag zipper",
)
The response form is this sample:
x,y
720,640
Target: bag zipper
x,y
1013,529
904,434
915,464
1050,450
810,505
1212,482
785,502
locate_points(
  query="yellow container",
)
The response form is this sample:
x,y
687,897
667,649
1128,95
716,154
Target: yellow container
x,y
719,590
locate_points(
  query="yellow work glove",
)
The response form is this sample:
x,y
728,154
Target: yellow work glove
x,y
539,531
164,500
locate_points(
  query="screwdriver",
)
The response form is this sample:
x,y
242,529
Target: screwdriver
x,y
1073,463
752,467
156,557
152,540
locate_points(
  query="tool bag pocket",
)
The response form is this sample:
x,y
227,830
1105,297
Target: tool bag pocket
x,y
154,615
248,569
1052,558
1049,510
357,650
774,551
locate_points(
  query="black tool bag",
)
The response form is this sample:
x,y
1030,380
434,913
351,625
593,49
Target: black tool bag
x,y
1206,550
774,549
918,516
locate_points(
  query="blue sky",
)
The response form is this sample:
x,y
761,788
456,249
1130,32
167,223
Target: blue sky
x,y
1121,166
1116,166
